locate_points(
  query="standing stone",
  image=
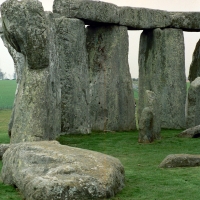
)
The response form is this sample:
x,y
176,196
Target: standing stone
x,y
193,104
162,70
29,30
195,65
73,64
149,123
112,102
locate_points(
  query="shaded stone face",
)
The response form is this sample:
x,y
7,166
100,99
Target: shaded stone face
x,y
193,132
195,65
162,70
47,170
193,104
73,65
36,112
149,123
111,94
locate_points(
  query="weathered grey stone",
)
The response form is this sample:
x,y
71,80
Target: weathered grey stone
x,y
73,65
180,160
193,132
143,18
193,104
112,103
195,65
146,126
3,148
1,28
47,170
149,123
36,115
87,10
187,21
26,30
162,70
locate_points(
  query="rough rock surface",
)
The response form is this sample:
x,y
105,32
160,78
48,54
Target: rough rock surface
x,y
195,65
193,104
36,115
47,170
89,11
162,70
187,21
193,132
149,123
143,18
112,103
180,160
3,148
146,126
73,65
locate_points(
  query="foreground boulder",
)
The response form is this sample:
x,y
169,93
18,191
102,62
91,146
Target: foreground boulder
x,y
193,132
162,70
180,160
193,104
47,170
3,148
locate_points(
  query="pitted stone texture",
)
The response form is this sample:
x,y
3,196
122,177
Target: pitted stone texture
x,y
149,123
193,104
146,126
187,21
112,102
143,18
3,148
36,114
195,65
89,11
193,132
47,170
73,65
162,70
26,29
180,160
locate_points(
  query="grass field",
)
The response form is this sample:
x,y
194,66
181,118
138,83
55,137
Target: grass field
x,y
7,93
144,179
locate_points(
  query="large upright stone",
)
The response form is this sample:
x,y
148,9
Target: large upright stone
x,y
89,11
143,18
162,70
195,65
193,104
112,103
36,115
73,65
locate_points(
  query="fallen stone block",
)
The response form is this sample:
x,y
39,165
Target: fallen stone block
x,y
47,170
193,132
180,160
3,148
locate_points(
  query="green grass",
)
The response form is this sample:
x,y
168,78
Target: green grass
x,y
7,93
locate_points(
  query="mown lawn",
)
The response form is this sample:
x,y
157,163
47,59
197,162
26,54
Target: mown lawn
x,y
7,93
144,179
